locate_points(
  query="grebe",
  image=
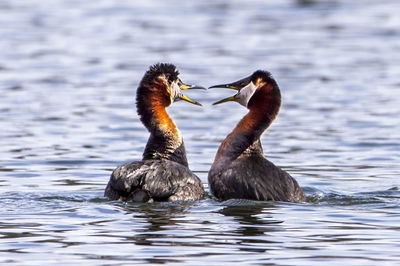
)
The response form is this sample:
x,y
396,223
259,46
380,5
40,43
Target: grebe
x,y
240,169
163,173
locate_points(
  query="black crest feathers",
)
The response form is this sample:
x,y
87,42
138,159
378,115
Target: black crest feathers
x,y
169,70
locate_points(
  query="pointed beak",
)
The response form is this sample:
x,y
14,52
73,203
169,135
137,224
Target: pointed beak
x,y
237,85
190,87
227,86
229,99
183,97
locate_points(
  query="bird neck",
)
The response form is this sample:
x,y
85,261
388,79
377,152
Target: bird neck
x,y
165,141
245,138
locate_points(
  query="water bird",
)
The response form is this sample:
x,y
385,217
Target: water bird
x,y
163,173
240,169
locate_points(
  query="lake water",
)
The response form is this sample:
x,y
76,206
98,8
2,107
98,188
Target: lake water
x,y
68,76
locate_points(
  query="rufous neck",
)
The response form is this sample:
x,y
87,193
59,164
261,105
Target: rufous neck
x,y
250,128
165,141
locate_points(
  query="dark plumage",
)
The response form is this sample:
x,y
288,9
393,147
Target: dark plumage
x,y
240,169
163,174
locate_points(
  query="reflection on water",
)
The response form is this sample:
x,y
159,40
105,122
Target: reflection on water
x,y
68,74
254,226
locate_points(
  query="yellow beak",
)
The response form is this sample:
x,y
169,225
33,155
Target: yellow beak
x,y
237,85
183,97
189,87
229,99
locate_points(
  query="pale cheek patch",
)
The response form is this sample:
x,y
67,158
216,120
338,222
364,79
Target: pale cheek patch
x,y
245,94
175,92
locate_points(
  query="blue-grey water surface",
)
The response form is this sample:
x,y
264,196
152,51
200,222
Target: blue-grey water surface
x,y
68,76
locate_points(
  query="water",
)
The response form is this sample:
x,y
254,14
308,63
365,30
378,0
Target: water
x,y
68,77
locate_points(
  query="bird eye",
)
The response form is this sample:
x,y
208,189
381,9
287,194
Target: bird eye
x,y
169,78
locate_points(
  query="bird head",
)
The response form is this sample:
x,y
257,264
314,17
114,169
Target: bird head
x,y
162,83
248,86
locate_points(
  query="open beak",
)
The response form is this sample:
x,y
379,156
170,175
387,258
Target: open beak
x,y
237,85
190,87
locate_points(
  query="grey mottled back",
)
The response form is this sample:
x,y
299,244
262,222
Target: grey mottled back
x,y
160,180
